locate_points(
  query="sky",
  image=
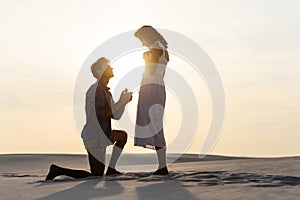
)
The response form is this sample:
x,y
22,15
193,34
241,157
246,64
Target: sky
x,y
254,45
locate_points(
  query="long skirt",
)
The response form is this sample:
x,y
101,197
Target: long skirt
x,y
149,131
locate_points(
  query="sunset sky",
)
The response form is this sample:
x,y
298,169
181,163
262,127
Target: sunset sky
x,y
254,45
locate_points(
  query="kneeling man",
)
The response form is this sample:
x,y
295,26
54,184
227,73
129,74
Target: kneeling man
x,y
97,133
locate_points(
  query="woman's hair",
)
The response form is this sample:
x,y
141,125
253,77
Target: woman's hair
x,y
149,35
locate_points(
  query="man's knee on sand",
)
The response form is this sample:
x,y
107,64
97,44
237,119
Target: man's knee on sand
x,y
97,162
99,171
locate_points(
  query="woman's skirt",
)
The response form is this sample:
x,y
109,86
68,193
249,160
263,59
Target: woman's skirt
x,y
149,131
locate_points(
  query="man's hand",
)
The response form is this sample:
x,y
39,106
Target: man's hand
x,y
119,107
126,96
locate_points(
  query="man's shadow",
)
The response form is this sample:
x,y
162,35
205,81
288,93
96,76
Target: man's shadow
x,y
113,186
86,190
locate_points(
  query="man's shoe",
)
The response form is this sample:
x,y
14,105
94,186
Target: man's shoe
x,y
53,172
112,172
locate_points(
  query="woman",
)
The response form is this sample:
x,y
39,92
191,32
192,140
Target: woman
x,y
152,96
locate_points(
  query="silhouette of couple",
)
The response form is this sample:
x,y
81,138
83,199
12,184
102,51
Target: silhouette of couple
x,y
100,108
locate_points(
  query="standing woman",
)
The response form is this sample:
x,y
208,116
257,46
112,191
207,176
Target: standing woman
x,y
149,131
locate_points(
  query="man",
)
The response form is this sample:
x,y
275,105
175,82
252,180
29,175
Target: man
x,y
97,133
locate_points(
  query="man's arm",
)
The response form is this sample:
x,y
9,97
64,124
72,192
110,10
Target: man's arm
x,y
117,109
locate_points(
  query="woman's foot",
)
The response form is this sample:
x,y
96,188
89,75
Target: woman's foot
x,y
163,171
53,172
111,172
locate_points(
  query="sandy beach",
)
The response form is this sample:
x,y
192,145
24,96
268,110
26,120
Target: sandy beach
x,y
214,177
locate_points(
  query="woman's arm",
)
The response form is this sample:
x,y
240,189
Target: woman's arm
x,y
154,58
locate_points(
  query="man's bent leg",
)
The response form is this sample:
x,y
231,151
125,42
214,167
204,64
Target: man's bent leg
x,y
119,138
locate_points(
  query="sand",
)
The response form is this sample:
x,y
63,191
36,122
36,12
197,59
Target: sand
x,y
215,177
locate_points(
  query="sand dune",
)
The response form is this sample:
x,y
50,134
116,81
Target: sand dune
x,y
214,177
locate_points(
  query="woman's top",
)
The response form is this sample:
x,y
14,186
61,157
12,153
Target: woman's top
x,y
157,76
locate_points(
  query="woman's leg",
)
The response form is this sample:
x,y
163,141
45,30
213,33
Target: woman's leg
x,y
161,156
162,163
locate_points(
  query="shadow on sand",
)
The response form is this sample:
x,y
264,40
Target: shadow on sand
x,y
172,185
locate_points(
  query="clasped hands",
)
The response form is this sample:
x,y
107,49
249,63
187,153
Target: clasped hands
x,y
126,96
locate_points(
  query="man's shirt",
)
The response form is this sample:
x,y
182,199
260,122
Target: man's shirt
x,y
98,124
